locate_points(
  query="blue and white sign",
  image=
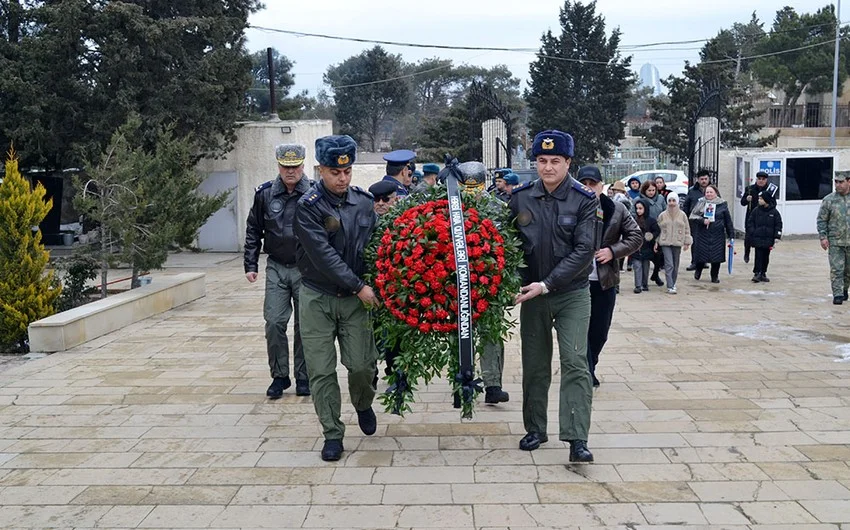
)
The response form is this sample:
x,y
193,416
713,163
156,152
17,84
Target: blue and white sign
x,y
773,168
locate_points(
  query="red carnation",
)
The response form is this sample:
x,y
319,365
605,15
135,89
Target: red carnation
x,y
482,305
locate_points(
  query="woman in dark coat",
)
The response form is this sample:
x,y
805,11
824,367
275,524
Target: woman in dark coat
x,y
713,225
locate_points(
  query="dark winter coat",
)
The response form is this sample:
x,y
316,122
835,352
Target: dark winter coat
x,y
764,226
650,232
694,195
621,235
710,242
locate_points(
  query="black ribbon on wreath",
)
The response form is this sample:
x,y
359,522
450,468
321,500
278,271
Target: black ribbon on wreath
x,y
465,378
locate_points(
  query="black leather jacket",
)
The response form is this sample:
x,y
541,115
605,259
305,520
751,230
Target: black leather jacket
x,y
560,233
269,225
332,232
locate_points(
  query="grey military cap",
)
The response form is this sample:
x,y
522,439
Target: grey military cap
x,y
842,175
290,154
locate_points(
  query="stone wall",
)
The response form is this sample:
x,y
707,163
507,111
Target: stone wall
x,y
253,161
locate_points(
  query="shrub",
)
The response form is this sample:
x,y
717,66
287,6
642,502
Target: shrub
x,y
26,292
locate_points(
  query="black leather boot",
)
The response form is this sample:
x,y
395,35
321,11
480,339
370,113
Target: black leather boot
x,y
332,450
532,441
579,452
495,394
277,387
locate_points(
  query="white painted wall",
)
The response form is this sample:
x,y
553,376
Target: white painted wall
x,y
252,158
727,171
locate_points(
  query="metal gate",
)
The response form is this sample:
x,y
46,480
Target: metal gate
x,y
704,134
481,95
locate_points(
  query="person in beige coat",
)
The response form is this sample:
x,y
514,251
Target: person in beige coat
x,y
675,234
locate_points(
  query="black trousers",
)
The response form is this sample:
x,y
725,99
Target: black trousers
x,y
715,269
762,260
601,312
658,263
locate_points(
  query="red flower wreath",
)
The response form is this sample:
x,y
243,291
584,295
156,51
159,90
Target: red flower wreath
x,y
416,259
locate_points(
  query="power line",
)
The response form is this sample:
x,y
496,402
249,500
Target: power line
x,y
626,47
623,47
406,76
781,52
391,43
529,50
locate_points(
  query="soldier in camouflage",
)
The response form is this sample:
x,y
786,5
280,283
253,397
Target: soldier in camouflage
x,y
834,234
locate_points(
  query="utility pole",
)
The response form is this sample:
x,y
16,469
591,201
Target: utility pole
x,y
272,94
835,73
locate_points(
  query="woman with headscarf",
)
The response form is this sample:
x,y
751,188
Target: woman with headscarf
x,y
675,235
657,205
713,225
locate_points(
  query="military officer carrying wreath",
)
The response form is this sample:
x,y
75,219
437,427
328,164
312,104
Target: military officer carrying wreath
x,y
834,233
333,223
559,221
270,226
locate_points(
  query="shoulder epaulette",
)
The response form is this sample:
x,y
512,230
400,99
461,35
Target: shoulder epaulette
x,y
312,195
583,189
364,192
263,186
523,186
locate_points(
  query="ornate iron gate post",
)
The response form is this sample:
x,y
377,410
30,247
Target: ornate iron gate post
x,y
704,153
481,94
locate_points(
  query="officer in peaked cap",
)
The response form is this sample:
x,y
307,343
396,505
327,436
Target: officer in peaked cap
x,y
559,221
400,170
333,223
269,228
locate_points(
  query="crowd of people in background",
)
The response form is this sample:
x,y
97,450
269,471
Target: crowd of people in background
x,y
702,223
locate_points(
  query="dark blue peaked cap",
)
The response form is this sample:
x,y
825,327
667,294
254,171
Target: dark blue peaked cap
x,y
336,151
400,156
553,142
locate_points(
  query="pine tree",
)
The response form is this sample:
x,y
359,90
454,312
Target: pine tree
x,y
145,201
580,84
26,292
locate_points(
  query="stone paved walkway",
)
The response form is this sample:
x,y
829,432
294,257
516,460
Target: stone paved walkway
x,y
722,406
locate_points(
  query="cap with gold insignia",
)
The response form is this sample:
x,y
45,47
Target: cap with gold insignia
x,y
337,151
472,175
553,142
290,155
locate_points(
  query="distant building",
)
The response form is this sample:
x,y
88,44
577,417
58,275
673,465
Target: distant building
x,y
650,78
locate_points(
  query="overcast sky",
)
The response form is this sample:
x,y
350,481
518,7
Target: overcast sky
x,y
493,23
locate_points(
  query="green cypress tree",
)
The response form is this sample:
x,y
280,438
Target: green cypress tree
x,y
580,84
26,292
